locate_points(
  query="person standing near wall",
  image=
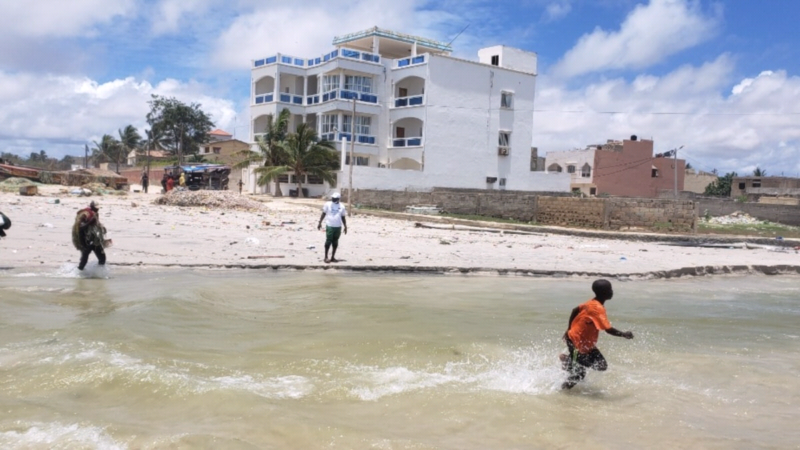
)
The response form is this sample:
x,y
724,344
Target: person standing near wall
x,y
145,181
334,213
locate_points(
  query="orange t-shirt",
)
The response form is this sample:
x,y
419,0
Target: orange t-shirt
x,y
586,326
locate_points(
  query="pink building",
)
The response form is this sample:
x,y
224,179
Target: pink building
x,y
626,168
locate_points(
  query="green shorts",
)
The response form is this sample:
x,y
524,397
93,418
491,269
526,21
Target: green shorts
x,y
332,235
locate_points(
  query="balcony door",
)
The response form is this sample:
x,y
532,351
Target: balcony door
x,y
403,92
401,132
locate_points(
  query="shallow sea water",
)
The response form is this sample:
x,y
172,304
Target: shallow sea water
x,y
293,360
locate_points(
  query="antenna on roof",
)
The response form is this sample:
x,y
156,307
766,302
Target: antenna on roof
x,y
459,34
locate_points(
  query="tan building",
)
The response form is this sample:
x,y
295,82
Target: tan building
x,y
697,181
760,188
223,149
626,168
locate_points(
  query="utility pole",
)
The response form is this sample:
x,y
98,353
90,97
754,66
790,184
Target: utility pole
x,y
675,164
352,160
85,156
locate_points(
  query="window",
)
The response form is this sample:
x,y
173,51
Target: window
x,y
358,84
570,169
496,60
757,183
283,178
362,125
360,160
330,83
593,191
586,171
313,179
554,168
329,123
504,137
217,150
654,173
741,186
506,100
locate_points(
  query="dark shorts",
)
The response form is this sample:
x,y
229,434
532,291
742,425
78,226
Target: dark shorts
x,y
332,235
576,360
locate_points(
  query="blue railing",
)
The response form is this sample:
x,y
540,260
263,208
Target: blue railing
x,y
360,138
346,95
264,98
413,61
414,100
300,62
407,142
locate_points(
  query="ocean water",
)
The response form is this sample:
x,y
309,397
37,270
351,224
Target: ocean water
x,y
119,359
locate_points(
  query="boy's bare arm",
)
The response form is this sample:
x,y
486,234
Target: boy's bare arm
x,y
615,332
571,318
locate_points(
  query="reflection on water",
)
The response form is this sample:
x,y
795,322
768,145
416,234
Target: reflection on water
x,y
310,360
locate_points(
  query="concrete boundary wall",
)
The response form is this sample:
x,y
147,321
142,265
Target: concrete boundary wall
x,y
785,214
546,208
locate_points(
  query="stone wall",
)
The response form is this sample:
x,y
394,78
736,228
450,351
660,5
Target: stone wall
x,y
546,208
785,214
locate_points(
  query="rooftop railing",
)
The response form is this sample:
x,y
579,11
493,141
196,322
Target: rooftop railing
x,y
348,53
411,61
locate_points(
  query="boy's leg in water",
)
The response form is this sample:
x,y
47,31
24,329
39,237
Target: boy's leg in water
x,y
84,259
101,255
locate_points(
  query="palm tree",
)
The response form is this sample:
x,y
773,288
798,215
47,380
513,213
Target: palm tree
x,y
269,149
129,139
305,155
759,172
106,149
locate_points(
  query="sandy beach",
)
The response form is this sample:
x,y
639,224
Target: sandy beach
x,y
282,234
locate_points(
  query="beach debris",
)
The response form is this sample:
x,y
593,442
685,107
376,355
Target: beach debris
x,y
735,218
209,199
28,190
14,184
46,225
53,201
252,241
423,209
265,256
444,242
311,247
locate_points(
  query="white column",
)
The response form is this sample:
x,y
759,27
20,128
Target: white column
x,y
376,45
344,157
414,49
277,82
305,92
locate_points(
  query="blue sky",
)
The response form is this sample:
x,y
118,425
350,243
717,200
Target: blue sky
x,y
719,77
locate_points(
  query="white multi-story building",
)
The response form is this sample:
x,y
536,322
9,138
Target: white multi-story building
x,y
422,119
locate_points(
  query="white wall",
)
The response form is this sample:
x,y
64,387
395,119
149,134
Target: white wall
x,y
573,157
400,180
510,57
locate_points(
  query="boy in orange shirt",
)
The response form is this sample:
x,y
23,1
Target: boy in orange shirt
x,y
585,324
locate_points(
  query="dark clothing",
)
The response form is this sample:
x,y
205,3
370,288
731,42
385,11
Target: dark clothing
x,y
332,235
98,251
576,363
145,183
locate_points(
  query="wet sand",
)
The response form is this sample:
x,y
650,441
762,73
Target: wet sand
x,y
283,235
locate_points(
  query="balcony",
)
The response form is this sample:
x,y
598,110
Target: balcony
x,y
342,95
406,142
360,138
351,54
410,62
414,100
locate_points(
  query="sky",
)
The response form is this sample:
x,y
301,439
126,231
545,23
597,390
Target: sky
x,y
720,78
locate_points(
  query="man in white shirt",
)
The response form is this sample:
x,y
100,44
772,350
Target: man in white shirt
x,y
334,214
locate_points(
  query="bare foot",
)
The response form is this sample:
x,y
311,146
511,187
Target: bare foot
x,y
334,260
327,260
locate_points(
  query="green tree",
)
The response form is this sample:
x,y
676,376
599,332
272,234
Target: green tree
x,y
183,127
66,162
305,155
759,172
688,165
721,187
198,158
129,139
270,150
34,157
107,150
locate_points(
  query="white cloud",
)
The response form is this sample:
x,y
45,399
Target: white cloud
x,y
170,14
308,31
61,113
648,35
59,18
557,10
755,125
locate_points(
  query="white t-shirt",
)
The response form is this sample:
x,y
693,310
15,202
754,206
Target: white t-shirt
x,y
333,214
